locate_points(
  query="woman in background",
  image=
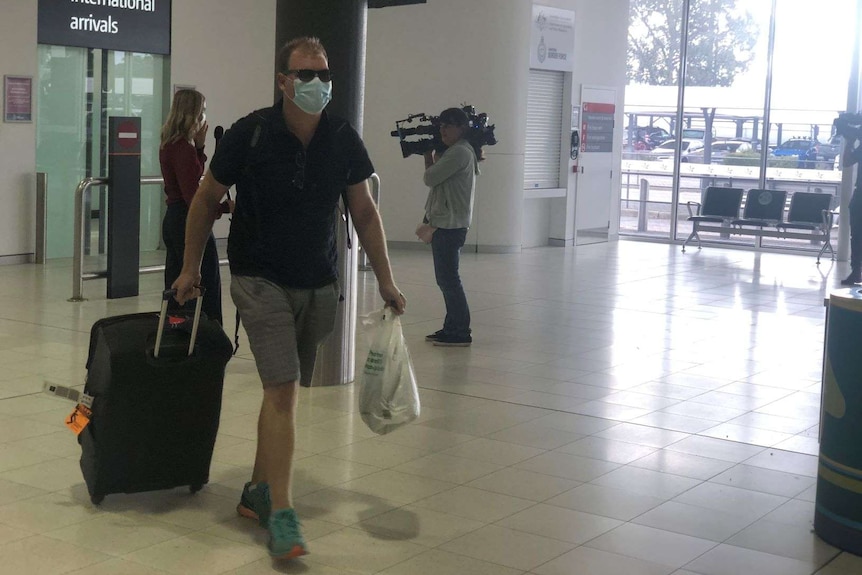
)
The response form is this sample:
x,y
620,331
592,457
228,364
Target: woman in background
x,y
182,159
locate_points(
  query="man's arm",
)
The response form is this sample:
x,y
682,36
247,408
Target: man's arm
x,y
204,210
368,225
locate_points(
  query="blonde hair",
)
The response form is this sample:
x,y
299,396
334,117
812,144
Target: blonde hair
x,y
304,44
183,117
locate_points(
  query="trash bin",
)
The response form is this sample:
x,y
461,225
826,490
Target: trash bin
x,y
838,504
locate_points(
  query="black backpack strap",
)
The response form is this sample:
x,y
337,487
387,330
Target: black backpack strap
x,y
336,130
346,219
256,136
236,333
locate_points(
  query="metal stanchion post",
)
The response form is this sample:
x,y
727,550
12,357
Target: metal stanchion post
x,y
642,205
41,217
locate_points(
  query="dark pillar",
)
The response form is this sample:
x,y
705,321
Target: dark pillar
x,y
124,206
340,25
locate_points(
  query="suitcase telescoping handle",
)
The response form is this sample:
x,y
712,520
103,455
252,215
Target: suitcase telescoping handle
x,y
166,297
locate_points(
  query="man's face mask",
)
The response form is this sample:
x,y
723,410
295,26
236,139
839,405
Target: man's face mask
x,y
312,97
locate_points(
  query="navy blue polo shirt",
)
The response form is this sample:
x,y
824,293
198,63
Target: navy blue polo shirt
x,y
283,225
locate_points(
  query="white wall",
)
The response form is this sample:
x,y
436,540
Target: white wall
x,y
17,141
425,58
601,30
227,50
428,57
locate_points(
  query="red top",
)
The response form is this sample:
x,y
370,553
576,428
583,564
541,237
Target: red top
x,y
182,168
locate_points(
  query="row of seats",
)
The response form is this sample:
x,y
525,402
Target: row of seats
x,y
808,212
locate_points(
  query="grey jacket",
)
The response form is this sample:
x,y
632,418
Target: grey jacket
x,y
452,180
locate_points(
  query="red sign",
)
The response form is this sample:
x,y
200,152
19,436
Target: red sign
x,y
128,135
599,108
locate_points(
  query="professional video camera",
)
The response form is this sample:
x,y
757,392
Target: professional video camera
x,y
849,125
479,133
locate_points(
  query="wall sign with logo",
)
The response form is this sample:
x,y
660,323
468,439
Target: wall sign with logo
x,y
597,127
552,39
124,25
17,99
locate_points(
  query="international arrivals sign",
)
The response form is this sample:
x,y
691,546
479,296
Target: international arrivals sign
x,y
123,25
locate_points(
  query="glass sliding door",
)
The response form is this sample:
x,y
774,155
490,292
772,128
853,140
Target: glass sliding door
x,y
79,89
137,88
62,131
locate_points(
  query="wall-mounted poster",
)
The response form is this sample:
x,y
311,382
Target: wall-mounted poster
x,y
552,39
17,98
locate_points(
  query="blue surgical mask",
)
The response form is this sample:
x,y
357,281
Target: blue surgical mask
x,y
312,97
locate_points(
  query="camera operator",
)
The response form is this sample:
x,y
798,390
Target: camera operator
x,y
853,155
448,213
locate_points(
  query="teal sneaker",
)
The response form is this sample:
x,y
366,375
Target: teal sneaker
x,y
285,540
255,503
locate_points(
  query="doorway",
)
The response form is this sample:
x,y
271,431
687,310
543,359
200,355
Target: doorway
x,y
595,182
78,90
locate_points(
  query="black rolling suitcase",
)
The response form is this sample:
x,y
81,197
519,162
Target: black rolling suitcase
x,y
156,393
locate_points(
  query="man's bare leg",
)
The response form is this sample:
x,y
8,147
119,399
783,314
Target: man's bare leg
x,y
273,466
276,437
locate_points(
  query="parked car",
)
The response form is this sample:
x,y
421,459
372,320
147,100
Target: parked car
x,y
646,137
806,150
667,150
831,149
696,134
719,149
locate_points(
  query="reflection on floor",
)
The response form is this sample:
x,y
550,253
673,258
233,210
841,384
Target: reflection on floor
x,y
625,409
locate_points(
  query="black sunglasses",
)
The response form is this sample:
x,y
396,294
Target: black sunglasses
x,y
299,174
308,75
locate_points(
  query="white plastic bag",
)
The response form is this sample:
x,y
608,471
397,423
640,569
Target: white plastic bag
x,y
389,397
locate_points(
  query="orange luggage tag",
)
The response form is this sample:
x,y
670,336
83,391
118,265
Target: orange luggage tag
x,y
79,419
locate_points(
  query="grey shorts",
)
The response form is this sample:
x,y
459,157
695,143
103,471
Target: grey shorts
x,y
285,326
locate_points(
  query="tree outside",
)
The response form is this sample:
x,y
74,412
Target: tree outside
x,y
721,40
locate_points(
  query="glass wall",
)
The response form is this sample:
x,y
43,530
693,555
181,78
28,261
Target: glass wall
x,y
725,91
650,115
79,89
723,107
62,132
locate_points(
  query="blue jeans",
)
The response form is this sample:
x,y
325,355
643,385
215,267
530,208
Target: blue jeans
x,y
446,246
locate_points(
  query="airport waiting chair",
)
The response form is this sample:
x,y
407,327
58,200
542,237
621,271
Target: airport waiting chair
x,y
719,205
762,208
811,211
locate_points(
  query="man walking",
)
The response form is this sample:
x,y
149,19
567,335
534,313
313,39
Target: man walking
x,y
290,164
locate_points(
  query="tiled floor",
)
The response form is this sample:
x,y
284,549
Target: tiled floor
x,y
625,410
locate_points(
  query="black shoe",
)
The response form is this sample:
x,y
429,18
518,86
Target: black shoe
x,y
444,340
853,279
434,336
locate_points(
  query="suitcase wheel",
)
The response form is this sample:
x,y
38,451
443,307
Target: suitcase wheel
x,y
97,499
196,487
